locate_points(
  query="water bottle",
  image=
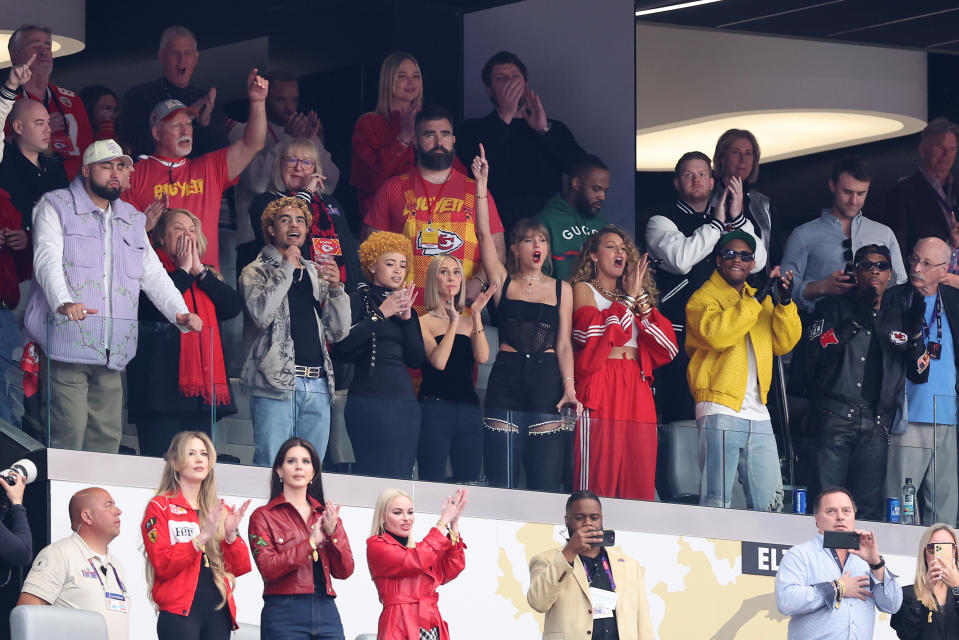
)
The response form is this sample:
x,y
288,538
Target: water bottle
x,y
909,503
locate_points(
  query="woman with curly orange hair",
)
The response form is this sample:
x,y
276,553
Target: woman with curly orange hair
x,y
382,414
619,337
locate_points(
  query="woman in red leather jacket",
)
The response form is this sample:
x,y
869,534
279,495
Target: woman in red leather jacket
x,y
192,544
298,542
405,573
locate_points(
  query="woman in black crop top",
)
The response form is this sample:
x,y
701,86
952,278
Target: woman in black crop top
x,y
452,424
533,374
382,415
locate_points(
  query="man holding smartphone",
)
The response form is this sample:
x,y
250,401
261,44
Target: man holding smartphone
x,y
834,592
586,589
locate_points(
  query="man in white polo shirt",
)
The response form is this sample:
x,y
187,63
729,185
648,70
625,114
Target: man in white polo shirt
x,y
79,572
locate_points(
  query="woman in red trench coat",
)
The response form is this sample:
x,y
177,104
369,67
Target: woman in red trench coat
x,y
406,574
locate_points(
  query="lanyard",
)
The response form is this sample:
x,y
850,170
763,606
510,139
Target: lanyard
x,y
938,315
609,574
432,203
49,96
170,166
115,575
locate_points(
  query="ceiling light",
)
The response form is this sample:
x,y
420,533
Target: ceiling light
x,y
66,18
674,7
781,133
62,46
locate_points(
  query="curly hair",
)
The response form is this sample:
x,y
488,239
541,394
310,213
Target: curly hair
x,y
272,211
584,270
382,242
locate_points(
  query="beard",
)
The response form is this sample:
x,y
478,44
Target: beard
x,y
436,160
583,206
104,191
867,296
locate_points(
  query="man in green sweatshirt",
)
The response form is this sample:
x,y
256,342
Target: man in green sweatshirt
x,y
573,217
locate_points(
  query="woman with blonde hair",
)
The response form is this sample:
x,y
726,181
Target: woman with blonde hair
x,y
930,606
382,415
736,166
405,573
176,378
192,544
620,338
452,423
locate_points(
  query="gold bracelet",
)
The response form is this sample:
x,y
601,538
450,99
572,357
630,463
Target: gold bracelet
x,y
479,197
442,525
476,333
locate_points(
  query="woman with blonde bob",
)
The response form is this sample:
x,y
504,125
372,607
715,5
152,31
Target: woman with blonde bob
x,y
382,415
452,423
930,606
405,573
192,544
176,377
619,338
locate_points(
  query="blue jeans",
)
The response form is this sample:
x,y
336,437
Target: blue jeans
x,y
728,445
305,413
11,395
307,616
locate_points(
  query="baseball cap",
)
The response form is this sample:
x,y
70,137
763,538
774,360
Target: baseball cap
x,y
879,249
104,150
165,110
737,235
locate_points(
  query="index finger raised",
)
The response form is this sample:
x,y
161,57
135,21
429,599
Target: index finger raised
x,y
482,151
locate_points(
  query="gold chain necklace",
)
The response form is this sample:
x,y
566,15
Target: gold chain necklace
x,y
612,296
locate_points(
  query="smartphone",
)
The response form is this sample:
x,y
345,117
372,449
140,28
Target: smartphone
x,y
840,540
944,553
609,539
850,272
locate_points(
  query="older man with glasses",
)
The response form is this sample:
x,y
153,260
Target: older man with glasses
x,y
861,348
926,450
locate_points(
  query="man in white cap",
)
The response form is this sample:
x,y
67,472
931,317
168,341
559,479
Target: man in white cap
x,y
91,260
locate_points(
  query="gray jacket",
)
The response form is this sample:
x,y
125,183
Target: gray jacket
x,y
264,283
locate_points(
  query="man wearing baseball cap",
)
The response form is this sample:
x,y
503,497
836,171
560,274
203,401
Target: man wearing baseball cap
x,y
734,331
91,260
195,184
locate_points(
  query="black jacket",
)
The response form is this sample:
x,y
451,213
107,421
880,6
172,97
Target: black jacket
x,y
26,182
838,341
912,621
911,209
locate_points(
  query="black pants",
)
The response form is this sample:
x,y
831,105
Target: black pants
x,y
384,433
850,453
450,430
154,432
205,622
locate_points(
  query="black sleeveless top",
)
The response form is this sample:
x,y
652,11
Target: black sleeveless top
x,y
455,382
528,327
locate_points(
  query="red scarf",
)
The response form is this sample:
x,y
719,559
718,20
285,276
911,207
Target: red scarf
x,y
198,367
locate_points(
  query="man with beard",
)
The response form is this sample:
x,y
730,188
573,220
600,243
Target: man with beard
x,y
283,124
861,348
91,259
570,219
433,205
197,185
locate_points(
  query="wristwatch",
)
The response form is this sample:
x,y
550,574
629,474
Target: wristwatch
x,y
878,565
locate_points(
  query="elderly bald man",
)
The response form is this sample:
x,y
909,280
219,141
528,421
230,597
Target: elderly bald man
x,y
926,451
78,571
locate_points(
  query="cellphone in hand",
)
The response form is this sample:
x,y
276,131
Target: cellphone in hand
x,y
840,540
609,539
850,272
944,553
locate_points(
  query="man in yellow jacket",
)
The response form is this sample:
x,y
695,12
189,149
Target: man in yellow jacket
x,y
585,589
734,331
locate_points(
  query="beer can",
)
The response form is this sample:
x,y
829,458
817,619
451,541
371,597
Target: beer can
x,y
799,501
892,510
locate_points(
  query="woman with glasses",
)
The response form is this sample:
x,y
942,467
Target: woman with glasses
x,y
930,606
619,339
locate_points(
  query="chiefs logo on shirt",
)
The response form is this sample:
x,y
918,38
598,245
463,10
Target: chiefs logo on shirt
x,y
446,242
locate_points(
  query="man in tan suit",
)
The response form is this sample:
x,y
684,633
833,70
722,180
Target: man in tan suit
x,y
587,591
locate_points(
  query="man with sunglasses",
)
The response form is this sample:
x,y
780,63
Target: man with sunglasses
x,y
734,332
926,449
861,348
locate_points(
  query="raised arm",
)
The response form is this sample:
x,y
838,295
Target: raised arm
x,y
489,254
241,153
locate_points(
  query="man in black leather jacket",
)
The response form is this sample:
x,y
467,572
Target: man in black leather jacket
x,y
860,353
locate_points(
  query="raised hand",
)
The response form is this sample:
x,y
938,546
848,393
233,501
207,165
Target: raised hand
x,y
407,123
328,270
508,99
785,288
315,182
392,305
480,168
154,210
197,263
204,107
330,518
316,533
256,87
297,125
453,506
210,524
582,541
314,128
20,74
231,523
15,491
292,255
633,282
407,310
452,314
482,300
736,190
184,253
535,115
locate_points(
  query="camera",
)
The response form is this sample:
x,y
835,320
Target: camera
x,y
24,467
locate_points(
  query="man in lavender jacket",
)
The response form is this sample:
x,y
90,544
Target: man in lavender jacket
x,y
91,259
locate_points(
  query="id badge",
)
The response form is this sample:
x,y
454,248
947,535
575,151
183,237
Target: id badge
x,y
430,235
603,601
116,602
327,247
934,349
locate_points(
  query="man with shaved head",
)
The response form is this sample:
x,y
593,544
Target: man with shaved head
x,y
78,571
926,450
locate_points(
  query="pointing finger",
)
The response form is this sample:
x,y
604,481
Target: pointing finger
x,y
33,58
482,151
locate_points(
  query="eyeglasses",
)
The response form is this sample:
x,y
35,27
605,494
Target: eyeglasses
x,y
847,250
868,265
730,254
292,162
926,265
931,546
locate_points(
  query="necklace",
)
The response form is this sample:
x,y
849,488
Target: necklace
x,y
529,282
609,295
437,315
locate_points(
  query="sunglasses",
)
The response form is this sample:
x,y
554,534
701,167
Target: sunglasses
x,y
931,546
847,250
868,265
731,254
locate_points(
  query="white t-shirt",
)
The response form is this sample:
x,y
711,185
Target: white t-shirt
x,y
753,407
68,573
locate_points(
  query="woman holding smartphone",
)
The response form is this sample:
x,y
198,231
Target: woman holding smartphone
x,y
930,606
